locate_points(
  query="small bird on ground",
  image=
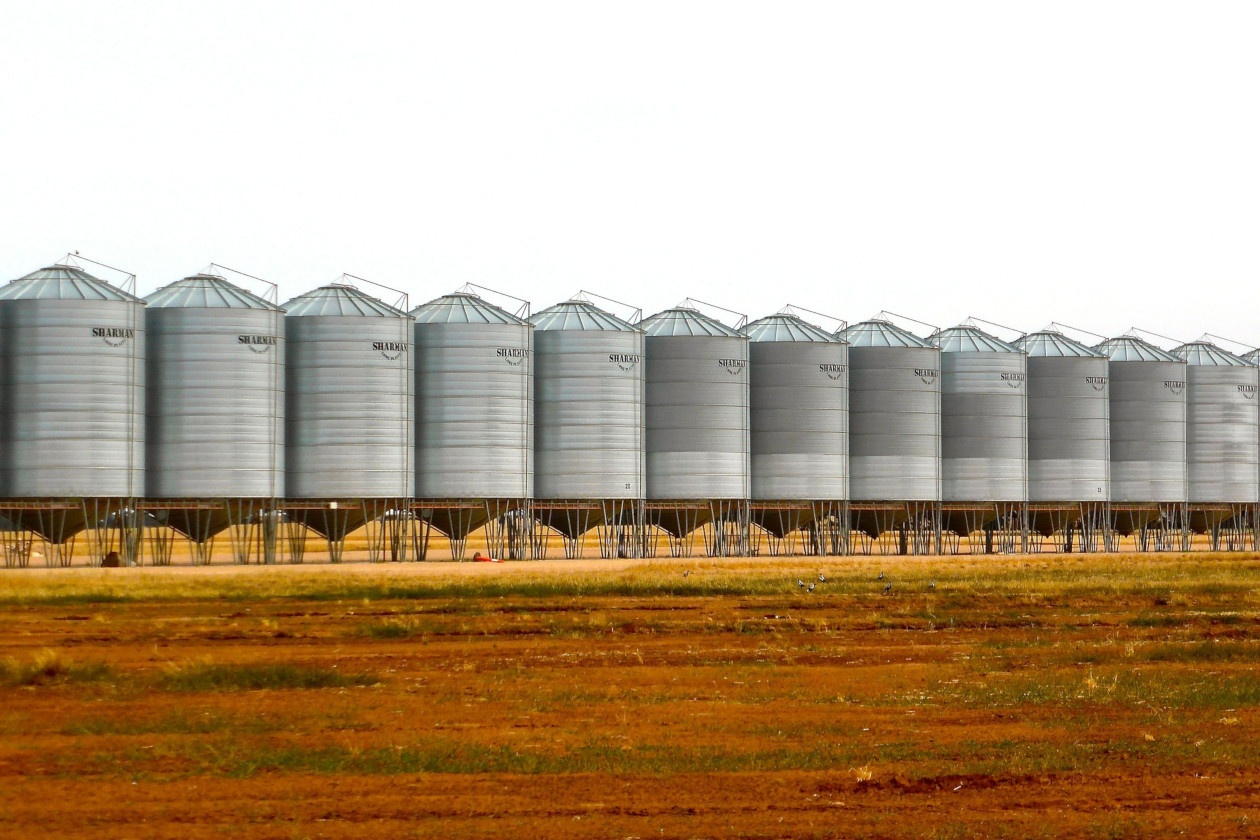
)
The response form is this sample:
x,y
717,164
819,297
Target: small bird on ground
x,y
686,572
811,587
888,587
800,583
822,579
881,576
932,585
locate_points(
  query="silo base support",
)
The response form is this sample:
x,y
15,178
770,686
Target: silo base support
x,y
16,545
112,531
727,532
389,529
1154,527
509,528
808,528
1229,527
254,529
897,527
1070,527
161,543
988,527
617,524
678,521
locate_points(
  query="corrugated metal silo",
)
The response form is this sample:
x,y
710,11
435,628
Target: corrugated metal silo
x,y
984,417
72,418
894,414
216,392
1222,458
1148,422
588,404
350,379
799,410
696,407
1068,420
474,400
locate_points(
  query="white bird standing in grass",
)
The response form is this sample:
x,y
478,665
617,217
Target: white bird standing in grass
x,y
811,587
888,587
881,576
800,583
821,579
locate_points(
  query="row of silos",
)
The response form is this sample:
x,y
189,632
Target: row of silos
x,y
781,410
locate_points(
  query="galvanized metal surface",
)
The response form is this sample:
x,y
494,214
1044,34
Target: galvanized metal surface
x,y
588,404
1222,426
72,416
894,414
1068,420
1148,422
216,356
696,400
350,375
474,400
984,418
799,410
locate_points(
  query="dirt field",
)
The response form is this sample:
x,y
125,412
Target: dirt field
x,y
1016,697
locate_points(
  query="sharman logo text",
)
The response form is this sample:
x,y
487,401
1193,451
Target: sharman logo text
x,y
390,349
257,343
624,361
512,355
113,336
732,366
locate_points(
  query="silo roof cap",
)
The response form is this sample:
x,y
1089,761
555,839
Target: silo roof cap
x,y
206,291
964,339
1051,343
338,299
462,308
681,321
1253,356
63,282
579,315
786,327
1207,354
1127,348
876,333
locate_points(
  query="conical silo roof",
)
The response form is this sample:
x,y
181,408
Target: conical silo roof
x,y
338,299
1056,344
62,282
205,291
1253,357
682,321
877,333
785,327
579,315
964,339
1207,354
1127,348
462,308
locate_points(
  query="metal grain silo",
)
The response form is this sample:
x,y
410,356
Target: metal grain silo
x,y
474,400
1148,422
72,417
984,417
799,410
349,388
588,404
216,392
696,407
1068,420
1222,456
894,414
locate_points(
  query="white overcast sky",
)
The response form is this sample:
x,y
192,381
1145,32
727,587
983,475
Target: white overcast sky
x,y
1095,163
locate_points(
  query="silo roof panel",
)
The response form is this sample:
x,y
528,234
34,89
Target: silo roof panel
x,y
1253,356
881,334
970,340
579,315
206,291
462,308
62,282
784,327
1206,354
1127,348
1050,343
683,321
338,299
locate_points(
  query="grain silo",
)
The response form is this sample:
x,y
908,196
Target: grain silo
x,y
1222,428
1148,438
984,436
72,417
588,426
799,432
1068,434
894,434
215,409
349,422
474,418
696,400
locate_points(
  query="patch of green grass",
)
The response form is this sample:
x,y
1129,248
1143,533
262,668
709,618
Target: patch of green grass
x,y
209,676
1206,651
49,667
177,722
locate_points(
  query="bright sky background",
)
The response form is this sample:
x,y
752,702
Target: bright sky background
x,y
1096,163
